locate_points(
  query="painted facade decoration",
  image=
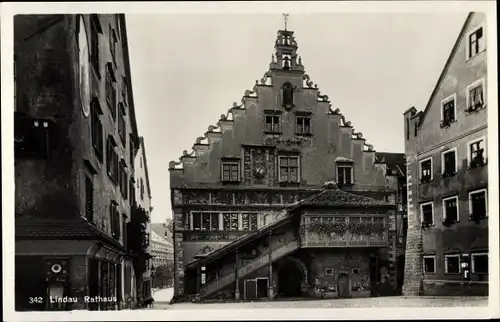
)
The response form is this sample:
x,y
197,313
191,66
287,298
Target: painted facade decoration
x,y
447,171
252,201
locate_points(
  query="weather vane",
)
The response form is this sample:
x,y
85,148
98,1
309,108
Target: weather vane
x,y
285,15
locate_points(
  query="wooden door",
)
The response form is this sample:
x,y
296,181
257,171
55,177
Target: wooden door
x,y
262,287
344,289
250,289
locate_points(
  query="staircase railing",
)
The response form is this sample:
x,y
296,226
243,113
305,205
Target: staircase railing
x,y
257,263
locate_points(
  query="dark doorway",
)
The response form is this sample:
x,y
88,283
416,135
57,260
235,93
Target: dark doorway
x,y
401,272
250,289
289,280
262,287
374,277
344,286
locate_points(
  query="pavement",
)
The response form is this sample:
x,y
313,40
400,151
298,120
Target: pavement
x,y
162,302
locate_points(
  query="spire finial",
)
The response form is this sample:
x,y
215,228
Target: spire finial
x,y
285,16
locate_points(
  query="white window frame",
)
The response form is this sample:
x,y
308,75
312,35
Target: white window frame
x,y
475,84
456,158
329,269
345,165
473,263
422,212
420,167
423,263
467,42
446,256
485,199
452,97
444,206
469,150
298,168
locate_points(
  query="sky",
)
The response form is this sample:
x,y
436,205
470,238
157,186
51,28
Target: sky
x,y
188,69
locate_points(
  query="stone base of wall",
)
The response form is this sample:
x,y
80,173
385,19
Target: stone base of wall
x,y
443,288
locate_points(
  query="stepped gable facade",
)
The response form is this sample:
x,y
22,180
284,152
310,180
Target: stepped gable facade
x,y
284,187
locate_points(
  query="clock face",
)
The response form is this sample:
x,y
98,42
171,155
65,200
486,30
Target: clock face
x,y
84,78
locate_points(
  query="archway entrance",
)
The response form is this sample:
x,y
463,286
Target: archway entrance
x,y
290,279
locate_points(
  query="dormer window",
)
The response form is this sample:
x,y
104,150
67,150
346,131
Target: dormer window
x,y
230,171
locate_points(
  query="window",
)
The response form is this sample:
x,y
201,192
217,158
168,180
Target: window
x,y
448,113
288,95
97,131
450,210
452,264
476,42
111,90
478,204
124,229
407,129
429,264
475,96
345,174
303,125
427,214
89,199
480,263
289,169
112,160
142,189
205,221
449,162
32,137
477,153
273,124
426,174
115,220
329,271
112,41
122,125
131,150
123,178
230,171
94,45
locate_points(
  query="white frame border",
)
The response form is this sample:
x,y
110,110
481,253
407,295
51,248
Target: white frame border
x,y
443,203
485,197
446,256
481,81
423,264
467,48
452,97
482,138
420,167
422,212
347,165
472,263
456,158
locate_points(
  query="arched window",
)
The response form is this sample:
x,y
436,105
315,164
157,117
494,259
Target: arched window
x,y
287,95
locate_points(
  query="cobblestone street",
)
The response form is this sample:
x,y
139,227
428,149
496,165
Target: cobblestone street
x,y
162,298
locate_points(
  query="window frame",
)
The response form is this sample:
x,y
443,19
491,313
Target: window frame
x,y
273,124
420,162
479,82
469,150
302,118
424,257
446,100
422,205
230,163
97,129
344,165
95,35
473,262
89,184
468,51
443,203
446,256
298,167
472,192
327,273
443,153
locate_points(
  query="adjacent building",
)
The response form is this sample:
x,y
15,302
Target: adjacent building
x,y
162,250
143,200
75,141
282,198
447,173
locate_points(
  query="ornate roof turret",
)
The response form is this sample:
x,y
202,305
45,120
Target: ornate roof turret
x,y
285,56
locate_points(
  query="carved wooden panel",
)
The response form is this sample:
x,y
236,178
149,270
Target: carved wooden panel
x,y
196,197
222,198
